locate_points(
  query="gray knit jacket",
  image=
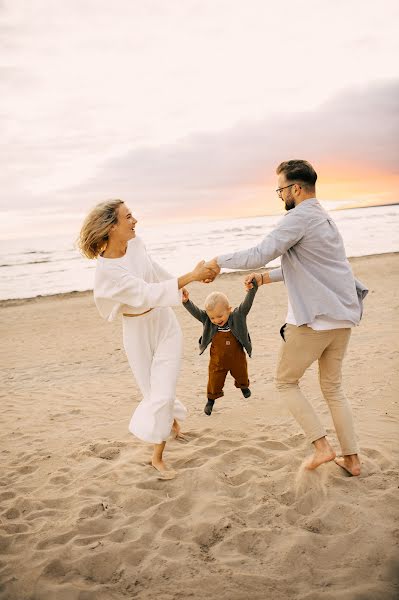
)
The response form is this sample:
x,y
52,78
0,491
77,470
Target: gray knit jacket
x,y
237,321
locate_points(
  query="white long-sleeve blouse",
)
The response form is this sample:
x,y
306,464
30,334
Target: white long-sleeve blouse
x,y
133,284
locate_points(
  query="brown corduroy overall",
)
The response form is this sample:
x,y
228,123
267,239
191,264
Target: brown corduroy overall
x,y
226,355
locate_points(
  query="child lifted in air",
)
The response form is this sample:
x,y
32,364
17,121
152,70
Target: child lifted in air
x,y
227,330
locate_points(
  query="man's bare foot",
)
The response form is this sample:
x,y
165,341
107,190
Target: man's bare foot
x,y
323,453
163,471
350,463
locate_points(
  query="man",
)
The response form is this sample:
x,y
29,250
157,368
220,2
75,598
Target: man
x,y
324,303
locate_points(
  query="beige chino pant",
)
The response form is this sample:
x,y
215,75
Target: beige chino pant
x,y
302,347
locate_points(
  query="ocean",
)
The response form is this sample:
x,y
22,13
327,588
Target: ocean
x,y
39,266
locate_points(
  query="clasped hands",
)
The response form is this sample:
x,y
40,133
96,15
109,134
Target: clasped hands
x,y
214,270
204,271
210,270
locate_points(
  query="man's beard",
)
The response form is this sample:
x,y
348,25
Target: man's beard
x,y
289,204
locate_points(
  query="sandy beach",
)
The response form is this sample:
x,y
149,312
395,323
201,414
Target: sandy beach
x,y
82,516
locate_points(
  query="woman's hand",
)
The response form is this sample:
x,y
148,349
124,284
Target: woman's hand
x,y
186,295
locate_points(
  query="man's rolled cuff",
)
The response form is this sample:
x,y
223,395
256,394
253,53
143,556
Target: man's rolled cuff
x,y
276,274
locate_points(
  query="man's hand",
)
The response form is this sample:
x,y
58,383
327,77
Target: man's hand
x,y
258,278
186,295
213,265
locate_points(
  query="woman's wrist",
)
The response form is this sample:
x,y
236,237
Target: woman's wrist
x,y
191,276
185,280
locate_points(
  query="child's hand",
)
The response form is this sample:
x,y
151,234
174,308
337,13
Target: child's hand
x,y
186,295
248,280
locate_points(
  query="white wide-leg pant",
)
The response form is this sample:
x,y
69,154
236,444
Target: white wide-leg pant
x,y
153,343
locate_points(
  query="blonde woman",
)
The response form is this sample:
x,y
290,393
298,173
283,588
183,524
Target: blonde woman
x,y
130,283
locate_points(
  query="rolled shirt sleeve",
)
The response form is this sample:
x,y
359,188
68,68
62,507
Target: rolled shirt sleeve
x,y
276,275
287,233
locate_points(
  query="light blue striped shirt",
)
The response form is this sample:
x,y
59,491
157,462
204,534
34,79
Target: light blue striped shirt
x,y
314,266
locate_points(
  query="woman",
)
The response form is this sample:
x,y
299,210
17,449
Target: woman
x,y
129,282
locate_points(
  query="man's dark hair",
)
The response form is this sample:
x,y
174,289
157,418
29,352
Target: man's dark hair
x,y
300,171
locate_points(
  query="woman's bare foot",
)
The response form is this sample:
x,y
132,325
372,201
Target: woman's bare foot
x,y
175,428
350,463
176,432
163,471
323,453
158,463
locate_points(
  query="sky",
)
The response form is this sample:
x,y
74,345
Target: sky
x,y
184,108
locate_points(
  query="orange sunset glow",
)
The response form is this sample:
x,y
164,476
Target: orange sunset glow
x,y
338,186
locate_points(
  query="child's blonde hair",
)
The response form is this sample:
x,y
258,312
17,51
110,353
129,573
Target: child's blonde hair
x,y
216,298
93,236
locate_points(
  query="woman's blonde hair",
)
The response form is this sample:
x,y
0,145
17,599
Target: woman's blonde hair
x,y
93,236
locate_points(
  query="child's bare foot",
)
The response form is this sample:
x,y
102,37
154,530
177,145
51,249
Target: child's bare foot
x,y
323,453
350,463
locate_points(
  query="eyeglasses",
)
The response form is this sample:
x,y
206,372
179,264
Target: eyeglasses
x,y
279,190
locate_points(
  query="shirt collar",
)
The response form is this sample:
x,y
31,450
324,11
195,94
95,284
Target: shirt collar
x,y
307,202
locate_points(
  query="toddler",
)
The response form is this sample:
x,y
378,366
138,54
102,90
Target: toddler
x,y
226,330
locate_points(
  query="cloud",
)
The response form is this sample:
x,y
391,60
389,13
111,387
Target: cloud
x,y
103,94
359,128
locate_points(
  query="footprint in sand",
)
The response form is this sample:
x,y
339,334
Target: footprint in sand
x,y
27,469
4,496
12,513
105,450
